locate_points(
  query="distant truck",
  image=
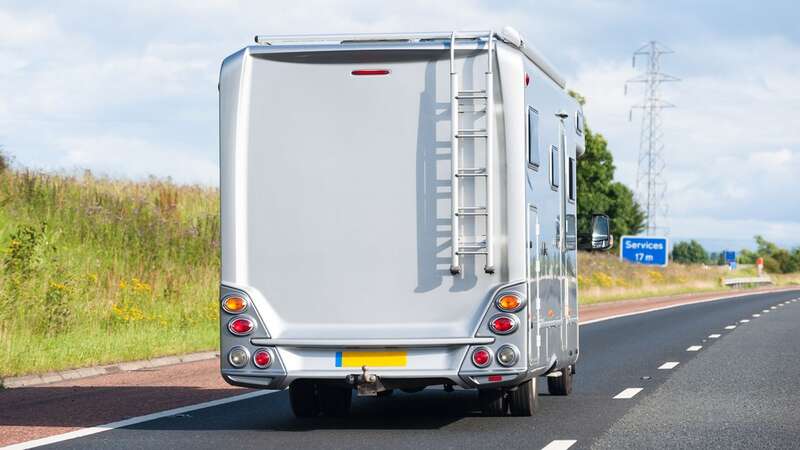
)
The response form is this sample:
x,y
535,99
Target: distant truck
x,y
398,212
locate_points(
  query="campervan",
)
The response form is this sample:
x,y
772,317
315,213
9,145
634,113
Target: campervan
x,y
399,212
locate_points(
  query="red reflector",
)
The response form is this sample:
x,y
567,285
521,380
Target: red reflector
x,y
262,359
240,326
495,378
481,357
370,72
503,324
527,79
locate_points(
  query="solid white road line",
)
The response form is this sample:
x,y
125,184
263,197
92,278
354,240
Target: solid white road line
x,y
560,444
628,393
730,327
132,421
744,320
714,336
694,348
668,365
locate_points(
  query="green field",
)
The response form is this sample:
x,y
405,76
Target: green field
x,y
96,271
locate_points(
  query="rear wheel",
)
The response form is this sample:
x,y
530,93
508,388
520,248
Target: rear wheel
x,y
493,402
304,399
523,400
561,385
335,401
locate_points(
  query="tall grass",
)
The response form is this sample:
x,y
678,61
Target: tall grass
x,y
97,270
603,277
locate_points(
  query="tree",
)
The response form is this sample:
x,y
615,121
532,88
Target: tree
x,y
689,253
776,259
5,161
598,193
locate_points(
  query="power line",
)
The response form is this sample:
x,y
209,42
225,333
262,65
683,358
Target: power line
x,y
651,186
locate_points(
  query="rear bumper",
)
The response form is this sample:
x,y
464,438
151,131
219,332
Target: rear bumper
x,y
426,366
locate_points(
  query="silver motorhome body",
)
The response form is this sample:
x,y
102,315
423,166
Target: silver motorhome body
x,y
340,227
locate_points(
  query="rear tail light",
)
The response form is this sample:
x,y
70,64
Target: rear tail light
x,y
507,355
509,303
481,357
238,357
262,358
503,324
241,326
234,304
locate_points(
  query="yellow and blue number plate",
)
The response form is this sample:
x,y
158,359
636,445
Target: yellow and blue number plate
x,y
372,359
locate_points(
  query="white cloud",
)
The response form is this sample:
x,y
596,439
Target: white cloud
x,y
135,158
130,88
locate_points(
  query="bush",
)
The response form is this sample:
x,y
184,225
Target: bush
x,y
689,253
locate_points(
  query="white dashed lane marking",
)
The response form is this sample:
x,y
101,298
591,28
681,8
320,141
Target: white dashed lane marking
x,y
744,320
560,444
694,348
714,336
764,310
773,307
668,365
756,315
730,327
628,393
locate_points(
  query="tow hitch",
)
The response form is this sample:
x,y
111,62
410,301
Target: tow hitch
x,y
367,384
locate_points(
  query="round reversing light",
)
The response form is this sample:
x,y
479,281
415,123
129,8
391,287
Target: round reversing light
x,y
241,326
262,358
507,355
481,357
234,304
509,303
238,357
503,324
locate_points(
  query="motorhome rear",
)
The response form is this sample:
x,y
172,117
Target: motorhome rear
x,y
398,211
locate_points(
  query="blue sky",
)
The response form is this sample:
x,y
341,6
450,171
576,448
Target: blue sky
x,y
129,89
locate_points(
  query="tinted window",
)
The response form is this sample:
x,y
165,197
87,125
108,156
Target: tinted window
x,y
533,137
572,179
555,168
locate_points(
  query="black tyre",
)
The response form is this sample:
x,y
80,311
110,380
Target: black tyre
x,y
493,402
335,401
523,400
561,385
304,399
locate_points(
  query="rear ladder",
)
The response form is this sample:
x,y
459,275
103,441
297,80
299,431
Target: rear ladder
x,y
459,247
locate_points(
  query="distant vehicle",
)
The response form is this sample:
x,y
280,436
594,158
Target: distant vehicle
x,y
399,211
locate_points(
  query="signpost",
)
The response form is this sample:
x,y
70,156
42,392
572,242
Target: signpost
x,y
760,265
647,250
730,258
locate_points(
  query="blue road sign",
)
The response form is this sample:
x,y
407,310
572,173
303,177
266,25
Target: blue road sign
x,y
730,256
648,250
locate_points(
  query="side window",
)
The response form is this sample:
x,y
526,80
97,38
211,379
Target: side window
x,y
533,138
555,168
572,234
572,180
579,123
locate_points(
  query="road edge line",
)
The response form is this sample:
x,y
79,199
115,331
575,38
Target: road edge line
x,y
132,421
678,305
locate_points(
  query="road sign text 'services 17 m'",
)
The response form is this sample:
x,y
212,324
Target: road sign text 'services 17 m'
x,y
648,250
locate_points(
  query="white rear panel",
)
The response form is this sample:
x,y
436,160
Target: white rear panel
x,y
336,194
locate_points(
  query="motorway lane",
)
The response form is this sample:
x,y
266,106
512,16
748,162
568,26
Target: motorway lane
x,y
616,354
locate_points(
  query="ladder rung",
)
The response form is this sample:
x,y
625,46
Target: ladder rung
x,y
470,97
472,91
472,174
464,136
468,245
472,213
472,111
469,252
473,208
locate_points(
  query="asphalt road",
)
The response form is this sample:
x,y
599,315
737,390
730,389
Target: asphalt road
x,y
738,390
